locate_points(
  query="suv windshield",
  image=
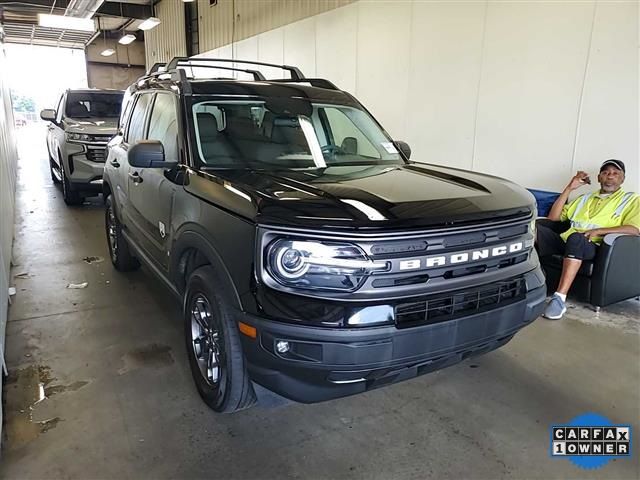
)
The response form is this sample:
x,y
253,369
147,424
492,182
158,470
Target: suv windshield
x,y
89,104
287,133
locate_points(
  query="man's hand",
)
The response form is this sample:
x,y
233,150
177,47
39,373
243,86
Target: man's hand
x,y
596,232
579,179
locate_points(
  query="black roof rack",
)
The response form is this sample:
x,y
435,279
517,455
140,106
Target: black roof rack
x,y
296,74
155,69
179,74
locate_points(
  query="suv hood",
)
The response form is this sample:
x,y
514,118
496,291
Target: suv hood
x,y
363,197
91,126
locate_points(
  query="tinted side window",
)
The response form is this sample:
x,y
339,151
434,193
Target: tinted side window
x,y
137,122
164,125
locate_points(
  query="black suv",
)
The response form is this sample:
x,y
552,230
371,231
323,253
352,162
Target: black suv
x,y
310,255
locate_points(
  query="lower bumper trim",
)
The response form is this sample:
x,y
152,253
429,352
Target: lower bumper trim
x,y
348,361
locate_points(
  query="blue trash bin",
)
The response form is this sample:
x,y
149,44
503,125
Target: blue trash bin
x,y
544,200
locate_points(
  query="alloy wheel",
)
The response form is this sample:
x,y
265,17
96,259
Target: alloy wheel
x,y
207,342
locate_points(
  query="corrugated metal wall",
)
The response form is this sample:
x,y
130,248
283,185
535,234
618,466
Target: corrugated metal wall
x,y
168,39
217,27
8,162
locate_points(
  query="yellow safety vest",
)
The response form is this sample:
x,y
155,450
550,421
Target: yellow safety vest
x,y
591,211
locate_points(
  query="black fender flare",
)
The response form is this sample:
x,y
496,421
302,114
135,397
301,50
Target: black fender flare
x,y
194,237
106,187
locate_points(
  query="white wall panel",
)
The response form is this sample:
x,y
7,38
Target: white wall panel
x,y
383,60
271,50
300,46
246,49
222,52
609,122
532,74
8,169
446,53
336,46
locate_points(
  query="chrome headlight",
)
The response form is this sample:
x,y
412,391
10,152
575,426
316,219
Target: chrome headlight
x,y
78,137
315,265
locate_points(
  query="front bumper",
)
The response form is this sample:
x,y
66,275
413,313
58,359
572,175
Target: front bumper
x,y
85,165
326,363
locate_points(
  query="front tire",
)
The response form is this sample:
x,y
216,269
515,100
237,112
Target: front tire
x,y
54,178
118,247
213,345
70,196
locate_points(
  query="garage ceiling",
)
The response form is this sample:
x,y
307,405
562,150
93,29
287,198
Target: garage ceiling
x,y
19,19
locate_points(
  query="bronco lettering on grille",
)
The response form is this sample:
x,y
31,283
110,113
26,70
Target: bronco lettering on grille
x,y
462,257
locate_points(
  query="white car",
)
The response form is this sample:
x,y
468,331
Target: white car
x,y
78,133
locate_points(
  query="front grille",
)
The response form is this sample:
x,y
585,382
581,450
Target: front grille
x,y
440,308
96,154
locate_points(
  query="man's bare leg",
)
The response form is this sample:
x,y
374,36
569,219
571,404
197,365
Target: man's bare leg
x,y
570,267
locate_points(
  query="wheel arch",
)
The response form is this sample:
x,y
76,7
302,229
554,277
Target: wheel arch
x,y
106,188
192,250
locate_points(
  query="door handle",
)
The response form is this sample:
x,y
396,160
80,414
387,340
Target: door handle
x,y
115,163
135,177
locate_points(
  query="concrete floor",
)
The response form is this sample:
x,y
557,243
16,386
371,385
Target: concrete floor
x,y
118,399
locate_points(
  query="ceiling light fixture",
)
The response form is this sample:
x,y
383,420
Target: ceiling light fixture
x,y
127,39
66,23
149,23
107,52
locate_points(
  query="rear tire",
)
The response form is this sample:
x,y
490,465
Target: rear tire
x,y
118,247
70,196
213,345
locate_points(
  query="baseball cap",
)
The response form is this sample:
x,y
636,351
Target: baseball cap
x,y
619,164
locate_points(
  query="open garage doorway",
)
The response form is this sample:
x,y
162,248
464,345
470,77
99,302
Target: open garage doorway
x,y
37,76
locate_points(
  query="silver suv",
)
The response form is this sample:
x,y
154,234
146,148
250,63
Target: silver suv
x,y
80,128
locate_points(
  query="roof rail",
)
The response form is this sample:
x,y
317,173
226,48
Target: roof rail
x,y
296,74
155,68
257,76
314,82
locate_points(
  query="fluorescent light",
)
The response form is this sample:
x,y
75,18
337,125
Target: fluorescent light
x,y
66,23
107,52
127,39
188,1
149,23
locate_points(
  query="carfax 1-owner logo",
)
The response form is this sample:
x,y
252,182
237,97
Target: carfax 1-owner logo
x,y
590,441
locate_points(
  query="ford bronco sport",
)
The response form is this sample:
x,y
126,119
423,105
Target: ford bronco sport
x,y
77,135
311,256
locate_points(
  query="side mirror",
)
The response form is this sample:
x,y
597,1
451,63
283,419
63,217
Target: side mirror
x,y
404,148
48,114
148,154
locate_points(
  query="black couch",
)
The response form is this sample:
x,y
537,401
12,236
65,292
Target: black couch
x,y
612,276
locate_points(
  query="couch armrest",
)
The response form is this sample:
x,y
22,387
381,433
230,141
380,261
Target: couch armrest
x,y
616,270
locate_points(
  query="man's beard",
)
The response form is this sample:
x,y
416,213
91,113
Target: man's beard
x,y
609,188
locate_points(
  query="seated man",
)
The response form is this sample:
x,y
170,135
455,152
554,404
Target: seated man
x,y
592,215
